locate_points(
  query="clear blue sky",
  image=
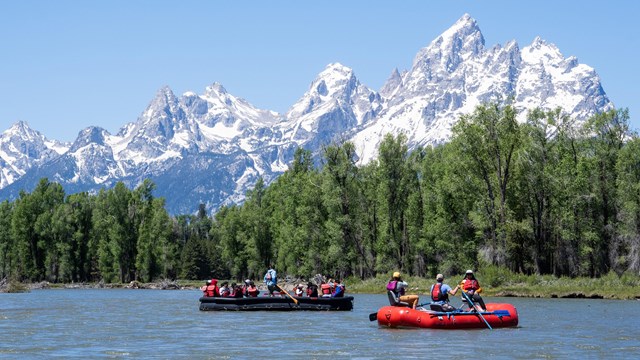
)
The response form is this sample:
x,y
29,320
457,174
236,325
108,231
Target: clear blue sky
x,y
66,65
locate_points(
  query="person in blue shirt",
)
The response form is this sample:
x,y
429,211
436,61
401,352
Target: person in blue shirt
x,y
271,280
440,293
338,289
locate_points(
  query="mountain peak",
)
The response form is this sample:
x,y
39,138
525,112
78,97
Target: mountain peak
x,y
164,97
336,69
541,51
459,42
90,135
21,128
393,82
465,27
216,88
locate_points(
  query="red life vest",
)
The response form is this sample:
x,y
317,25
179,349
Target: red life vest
x,y
470,284
326,289
211,291
436,293
252,291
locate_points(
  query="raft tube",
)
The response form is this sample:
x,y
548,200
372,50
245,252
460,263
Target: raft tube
x,y
497,315
275,303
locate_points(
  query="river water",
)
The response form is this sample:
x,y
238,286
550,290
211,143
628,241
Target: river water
x,y
120,323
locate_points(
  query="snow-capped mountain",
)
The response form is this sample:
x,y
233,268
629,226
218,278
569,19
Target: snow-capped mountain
x,y
455,73
210,148
336,103
22,148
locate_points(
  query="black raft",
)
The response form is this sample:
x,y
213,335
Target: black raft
x,y
275,303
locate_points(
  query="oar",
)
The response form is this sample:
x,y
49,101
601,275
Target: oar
x,y
474,309
289,295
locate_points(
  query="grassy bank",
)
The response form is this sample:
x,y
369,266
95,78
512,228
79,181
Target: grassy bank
x,y
496,282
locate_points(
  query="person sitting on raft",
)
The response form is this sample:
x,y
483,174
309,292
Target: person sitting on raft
x,y
298,290
472,288
338,289
252,290
211,288
225,291
398,286
440,293
312,290
325,288
236,291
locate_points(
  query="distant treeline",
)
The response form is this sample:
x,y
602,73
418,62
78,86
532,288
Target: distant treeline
x,y
542,197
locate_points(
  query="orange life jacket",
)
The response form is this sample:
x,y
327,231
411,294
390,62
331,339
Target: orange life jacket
x,y
470,284
326,289
252,291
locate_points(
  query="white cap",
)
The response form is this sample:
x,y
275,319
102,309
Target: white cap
x,y
439,277
470,272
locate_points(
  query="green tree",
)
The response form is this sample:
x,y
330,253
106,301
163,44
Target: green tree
x,y
488,141
341,197
609,129
7,257
394,190
626,249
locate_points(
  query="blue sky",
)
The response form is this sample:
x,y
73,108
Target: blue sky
x,y
66,65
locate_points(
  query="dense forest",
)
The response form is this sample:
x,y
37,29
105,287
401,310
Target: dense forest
x,y
541,197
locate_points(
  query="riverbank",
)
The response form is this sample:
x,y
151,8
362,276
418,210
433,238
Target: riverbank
x,y
17,287
494,283
503,284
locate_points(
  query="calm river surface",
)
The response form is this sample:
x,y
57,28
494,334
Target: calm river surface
x,y
167,324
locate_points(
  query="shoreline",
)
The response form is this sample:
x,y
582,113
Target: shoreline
x,y
353,287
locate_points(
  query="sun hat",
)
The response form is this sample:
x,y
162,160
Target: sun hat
x,y
396,274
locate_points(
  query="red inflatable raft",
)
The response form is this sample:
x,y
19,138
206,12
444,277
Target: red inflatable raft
x,y
496,316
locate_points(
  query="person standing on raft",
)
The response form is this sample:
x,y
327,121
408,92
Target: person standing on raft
x,y
398,286
472,288
271,280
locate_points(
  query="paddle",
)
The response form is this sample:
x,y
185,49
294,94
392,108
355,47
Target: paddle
x,y
289,295
474,309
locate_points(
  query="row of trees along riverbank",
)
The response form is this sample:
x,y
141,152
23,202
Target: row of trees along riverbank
x,y
541,197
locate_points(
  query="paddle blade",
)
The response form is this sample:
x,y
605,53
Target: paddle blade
x,y
499,313
373,316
